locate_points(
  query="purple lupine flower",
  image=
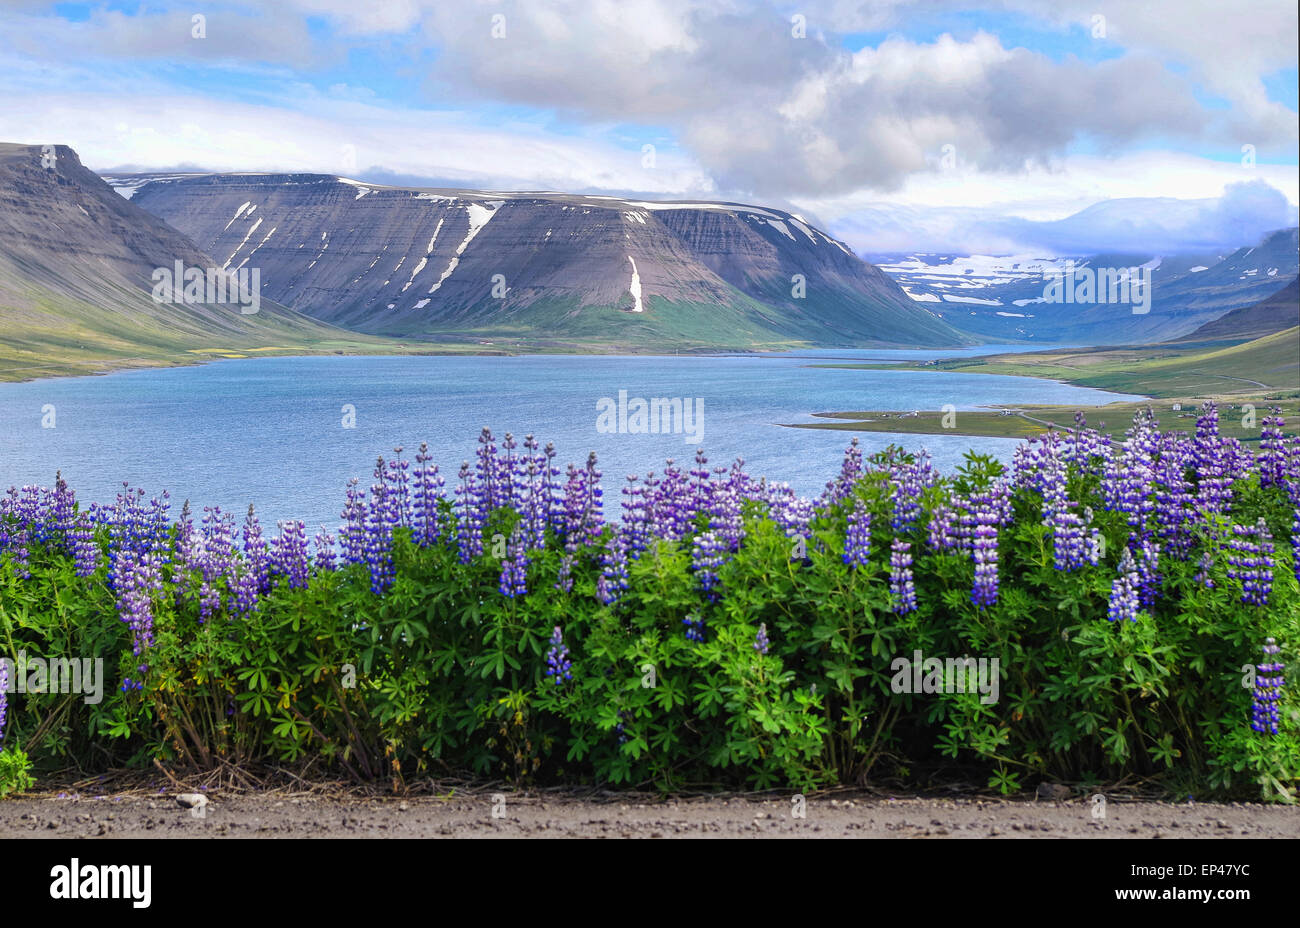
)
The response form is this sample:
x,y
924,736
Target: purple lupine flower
x,y
708,553
761,643
613,575
907,482
695,628
1295,545
85,549
471,506
1213,483
139,580
1203,568
1124,590
62,508
857,540
428,492
636,517
901,588
1272,459
291,553
1148,572
564,580
700,487
842,486
398,481
942,536
558,664
514,570
352,536
984,554
324,550
1269,681
1250,560
378,542
254,574
529,494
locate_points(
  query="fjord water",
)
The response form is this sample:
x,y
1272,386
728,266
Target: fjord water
x,y
271,430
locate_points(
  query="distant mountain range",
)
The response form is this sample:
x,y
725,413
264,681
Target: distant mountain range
x,y
542,269
1273,314
77,265
347,266
1003,298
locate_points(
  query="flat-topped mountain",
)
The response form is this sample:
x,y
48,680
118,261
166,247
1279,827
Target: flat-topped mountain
x,y
547,268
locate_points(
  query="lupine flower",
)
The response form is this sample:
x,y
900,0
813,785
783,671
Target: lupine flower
x,y
428,492
708,554
352,537
907,482
290,554
324,550
1272,460
1124,590
471,515
942,535
842,486
514,571
857,540
1203,568
1295,545
378,543
558,664
901,587
694,627
1268,691
1148,573
4,698
1250,560
85,549
761,644
984,549
613,575
139,580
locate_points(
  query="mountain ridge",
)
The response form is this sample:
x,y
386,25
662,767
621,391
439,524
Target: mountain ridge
x,y
438,263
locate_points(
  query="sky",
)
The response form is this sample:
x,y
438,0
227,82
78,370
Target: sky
x,y
1005,126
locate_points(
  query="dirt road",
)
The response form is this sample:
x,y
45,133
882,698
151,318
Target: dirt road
x,y
510,815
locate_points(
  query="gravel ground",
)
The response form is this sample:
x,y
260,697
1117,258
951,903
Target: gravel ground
x,y
467,815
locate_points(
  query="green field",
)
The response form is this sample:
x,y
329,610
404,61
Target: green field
x,y
1026,421
1264,366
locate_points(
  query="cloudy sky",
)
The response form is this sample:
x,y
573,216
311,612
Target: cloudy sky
x,y
901,125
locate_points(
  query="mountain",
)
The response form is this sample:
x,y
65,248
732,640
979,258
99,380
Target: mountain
x,y
546,269
1005,298
1273,314
76,279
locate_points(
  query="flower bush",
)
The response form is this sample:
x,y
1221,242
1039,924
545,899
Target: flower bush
x,y
719,630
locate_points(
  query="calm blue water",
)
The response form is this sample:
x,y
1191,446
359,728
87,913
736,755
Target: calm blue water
x,y
269,430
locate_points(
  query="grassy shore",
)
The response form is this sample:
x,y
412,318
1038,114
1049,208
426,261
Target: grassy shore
x,y
1261,367
1026,421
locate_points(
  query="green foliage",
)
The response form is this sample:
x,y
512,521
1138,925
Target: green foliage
x,y
443,674
15,772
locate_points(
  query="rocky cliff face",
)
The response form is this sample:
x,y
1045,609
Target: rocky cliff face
x,y
566,268
76,275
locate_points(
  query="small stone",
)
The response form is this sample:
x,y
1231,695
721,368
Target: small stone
x,y
192,800
1053,791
